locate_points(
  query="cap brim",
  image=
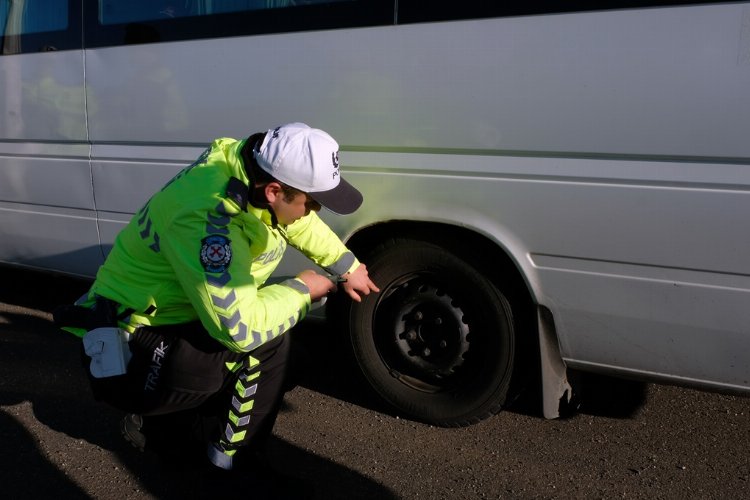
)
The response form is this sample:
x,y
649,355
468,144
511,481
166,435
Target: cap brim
x,y
341,200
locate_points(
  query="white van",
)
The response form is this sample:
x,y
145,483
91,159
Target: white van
x,y
547,184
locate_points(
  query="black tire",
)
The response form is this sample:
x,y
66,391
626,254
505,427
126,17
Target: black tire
x,y
437,342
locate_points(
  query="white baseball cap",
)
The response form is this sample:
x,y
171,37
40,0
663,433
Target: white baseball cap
x,y
308,159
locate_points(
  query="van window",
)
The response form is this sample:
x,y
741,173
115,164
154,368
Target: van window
x,y
118,12
21,17
28,26
117,22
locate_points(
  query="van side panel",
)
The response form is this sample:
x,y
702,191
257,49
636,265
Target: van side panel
x,y
47,208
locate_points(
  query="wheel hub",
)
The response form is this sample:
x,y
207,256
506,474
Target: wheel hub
x,y
431,335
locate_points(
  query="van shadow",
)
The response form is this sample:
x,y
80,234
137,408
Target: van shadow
x,y
40,367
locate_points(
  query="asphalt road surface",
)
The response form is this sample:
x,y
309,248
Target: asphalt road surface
x,y
334,440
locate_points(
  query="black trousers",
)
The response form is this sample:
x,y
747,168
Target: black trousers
x,y
178,378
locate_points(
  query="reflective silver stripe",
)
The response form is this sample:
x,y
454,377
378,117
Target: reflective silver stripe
x,y
217,224
257,341
144,214
280,331
231,321
145,233
222,209
343,264
241,334
243,421
227,301
147,230
296,285
211,229
229,433
222,220
218,281
250,391
282,328
155,245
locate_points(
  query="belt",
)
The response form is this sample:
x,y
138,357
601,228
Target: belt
x,y
103,313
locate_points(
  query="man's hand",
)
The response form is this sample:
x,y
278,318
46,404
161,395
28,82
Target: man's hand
x,y
358,283
318,284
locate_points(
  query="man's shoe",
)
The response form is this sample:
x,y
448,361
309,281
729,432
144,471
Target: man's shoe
x,y
218,457
130,426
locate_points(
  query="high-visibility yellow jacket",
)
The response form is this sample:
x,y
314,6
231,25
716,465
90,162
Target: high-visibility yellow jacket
x,y
193,252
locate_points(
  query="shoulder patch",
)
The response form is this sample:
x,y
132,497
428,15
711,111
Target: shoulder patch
x,y
216,253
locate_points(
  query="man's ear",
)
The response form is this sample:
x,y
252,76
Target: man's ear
x,y
273,191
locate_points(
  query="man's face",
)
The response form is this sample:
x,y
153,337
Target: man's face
x,y
289,209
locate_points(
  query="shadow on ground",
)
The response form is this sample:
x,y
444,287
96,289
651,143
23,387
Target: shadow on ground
x,y
41,365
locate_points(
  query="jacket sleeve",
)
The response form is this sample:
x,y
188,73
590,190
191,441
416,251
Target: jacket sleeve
x,y
212,260
311,236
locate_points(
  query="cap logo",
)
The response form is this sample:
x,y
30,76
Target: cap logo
x,y
335,160
275,134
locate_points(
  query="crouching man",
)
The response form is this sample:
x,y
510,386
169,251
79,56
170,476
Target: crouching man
x,y
179,316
